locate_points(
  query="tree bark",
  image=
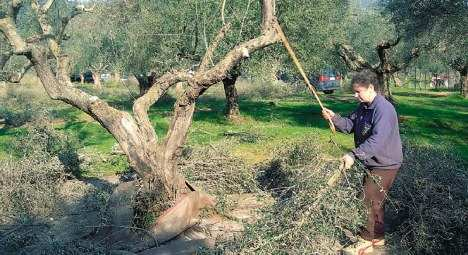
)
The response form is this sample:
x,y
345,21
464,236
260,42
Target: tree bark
x,y
232,98
464,82
97,80
155,162
81,78
381,80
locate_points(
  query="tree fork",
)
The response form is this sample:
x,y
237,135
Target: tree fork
x,y
383,70
154,161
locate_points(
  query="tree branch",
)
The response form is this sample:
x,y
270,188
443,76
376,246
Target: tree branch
x,y
382,51
202,80
223,6
9,30
79,9
38,38
119,123
388,44
268,15
352,59
41,17
397,67
45,8
214,44
156,90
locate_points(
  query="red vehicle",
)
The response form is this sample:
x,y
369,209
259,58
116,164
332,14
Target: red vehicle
x,y
327,81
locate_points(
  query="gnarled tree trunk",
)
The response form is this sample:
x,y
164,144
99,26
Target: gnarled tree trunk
x,y
383,70
161,186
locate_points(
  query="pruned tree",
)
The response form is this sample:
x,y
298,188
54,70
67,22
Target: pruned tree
x,y
153,158
384,69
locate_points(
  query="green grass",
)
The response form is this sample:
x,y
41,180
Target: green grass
x,y
434,119
427,117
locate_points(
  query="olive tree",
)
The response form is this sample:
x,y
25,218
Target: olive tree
x,y
374,44
438,27
313,28
153,158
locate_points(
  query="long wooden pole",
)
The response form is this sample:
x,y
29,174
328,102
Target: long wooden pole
x,y
301,70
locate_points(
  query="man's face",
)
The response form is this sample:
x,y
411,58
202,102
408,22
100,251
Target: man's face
x,y
363,94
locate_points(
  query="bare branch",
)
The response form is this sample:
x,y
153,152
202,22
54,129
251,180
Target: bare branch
x,y
45,8
41,17
157,89
9,30
268,14
243,19
38,38
214,44
79,9
185,105
119,123
223,6
63,70
352,59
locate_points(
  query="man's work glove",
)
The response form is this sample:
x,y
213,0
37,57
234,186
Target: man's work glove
x,y
347,161
327,114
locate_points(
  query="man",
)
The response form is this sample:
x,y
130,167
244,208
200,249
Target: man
x,y
378,146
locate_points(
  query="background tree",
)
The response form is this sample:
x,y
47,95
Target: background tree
x,y
437,27
312,27
369,29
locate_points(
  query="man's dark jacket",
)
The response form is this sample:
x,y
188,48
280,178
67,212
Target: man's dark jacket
x,y
376,134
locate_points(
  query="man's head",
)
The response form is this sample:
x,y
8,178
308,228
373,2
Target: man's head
x,y
364,85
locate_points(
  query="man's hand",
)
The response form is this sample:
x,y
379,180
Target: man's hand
x,y
347,161
327,114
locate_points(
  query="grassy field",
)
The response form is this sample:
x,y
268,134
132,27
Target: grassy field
x,y
429,117
279,153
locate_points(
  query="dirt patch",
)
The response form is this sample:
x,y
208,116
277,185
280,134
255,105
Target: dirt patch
x,y
441,94
403,118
